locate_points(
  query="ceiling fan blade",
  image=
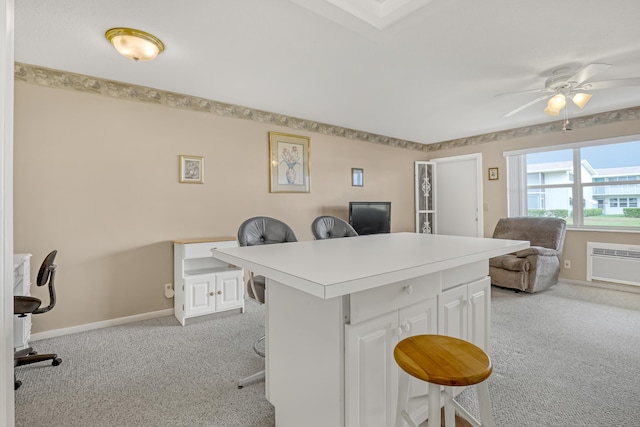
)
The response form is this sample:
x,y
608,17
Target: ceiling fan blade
x,y
585,73
608,84
527,105
523,91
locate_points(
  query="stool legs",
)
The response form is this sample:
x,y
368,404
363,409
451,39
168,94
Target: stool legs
x,y
449,409
434,406
450,405
403,399
485,404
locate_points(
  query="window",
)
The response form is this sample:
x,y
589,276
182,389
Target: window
x,y
604,175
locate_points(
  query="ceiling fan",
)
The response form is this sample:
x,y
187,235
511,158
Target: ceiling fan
x,y
563,84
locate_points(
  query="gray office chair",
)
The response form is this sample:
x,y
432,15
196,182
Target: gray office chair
x,y
23,305
330,227
261,230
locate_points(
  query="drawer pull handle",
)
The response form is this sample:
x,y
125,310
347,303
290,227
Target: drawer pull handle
x,y
406,328
408,289
211,293
219,292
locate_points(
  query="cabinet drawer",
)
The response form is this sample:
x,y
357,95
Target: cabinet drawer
x,y
373,302
203,250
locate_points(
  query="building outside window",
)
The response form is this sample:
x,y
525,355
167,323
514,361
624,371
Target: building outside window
x,y
603,175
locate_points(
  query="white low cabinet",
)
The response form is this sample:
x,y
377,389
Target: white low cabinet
x,y
203,284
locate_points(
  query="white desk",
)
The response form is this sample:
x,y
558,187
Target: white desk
x,y
322,294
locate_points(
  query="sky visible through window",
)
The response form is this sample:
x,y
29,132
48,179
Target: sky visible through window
x,y
601,156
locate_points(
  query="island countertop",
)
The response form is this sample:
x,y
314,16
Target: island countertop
x,y
336,267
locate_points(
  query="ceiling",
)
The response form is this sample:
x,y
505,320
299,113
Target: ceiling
x,y
420,70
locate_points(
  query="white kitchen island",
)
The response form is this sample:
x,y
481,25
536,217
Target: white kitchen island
x,y
336,308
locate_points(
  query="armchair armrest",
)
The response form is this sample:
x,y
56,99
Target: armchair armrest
x,y
536,250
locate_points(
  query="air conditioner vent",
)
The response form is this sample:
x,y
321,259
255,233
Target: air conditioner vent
x,y
613,263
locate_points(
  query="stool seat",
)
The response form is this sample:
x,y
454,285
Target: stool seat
x,y
443,360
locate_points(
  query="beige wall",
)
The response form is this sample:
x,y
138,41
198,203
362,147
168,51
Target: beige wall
x,y
97,179
495,192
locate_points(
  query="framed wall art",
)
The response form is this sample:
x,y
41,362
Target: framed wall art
x,y
493,173
191,169
289,163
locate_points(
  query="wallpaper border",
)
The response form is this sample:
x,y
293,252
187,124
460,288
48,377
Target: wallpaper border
x,y
77,82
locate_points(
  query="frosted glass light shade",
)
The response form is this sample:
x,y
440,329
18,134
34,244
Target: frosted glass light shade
x,y
134,44
557,102
552,112
581,99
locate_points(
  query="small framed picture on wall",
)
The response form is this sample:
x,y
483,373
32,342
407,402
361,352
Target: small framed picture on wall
x,y
493,173
191,169
357,177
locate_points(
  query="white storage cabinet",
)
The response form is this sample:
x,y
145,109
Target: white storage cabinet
x,y
203,284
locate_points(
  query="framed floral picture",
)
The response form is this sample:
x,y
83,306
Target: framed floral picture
x,y
191,169
289,163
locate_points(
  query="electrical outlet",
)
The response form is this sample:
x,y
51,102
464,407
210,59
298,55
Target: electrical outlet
x,y
567,263
168,290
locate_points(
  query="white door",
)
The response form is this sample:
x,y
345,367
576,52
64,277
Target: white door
x,y
459,195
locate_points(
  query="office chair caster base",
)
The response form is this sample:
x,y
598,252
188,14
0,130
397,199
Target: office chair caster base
x,y
57,361
17,384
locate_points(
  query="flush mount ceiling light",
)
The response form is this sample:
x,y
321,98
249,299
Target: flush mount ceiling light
x,y
134,44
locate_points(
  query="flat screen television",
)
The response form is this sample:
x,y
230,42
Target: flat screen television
x,y
370,217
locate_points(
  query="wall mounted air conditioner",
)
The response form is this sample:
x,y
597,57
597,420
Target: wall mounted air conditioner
x,y
611,262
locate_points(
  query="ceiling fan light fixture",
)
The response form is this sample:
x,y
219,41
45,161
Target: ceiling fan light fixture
x,y
557,102
552,112
581,99
134,44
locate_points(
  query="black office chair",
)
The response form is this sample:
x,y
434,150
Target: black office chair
x,y
23,305
261,230
330,227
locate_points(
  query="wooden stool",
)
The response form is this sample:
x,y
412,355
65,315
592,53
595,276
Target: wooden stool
x,y
443,361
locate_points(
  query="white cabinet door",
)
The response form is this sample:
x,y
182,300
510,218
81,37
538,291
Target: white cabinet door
x,y
418,319
479,312
371,375
200,294
465,312
229,291
452,312
371,371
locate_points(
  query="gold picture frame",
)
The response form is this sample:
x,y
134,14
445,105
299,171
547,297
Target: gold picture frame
x,y
288,163
493,174
191,169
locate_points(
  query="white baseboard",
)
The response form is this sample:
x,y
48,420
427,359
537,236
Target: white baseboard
x,y
604,285
99,325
